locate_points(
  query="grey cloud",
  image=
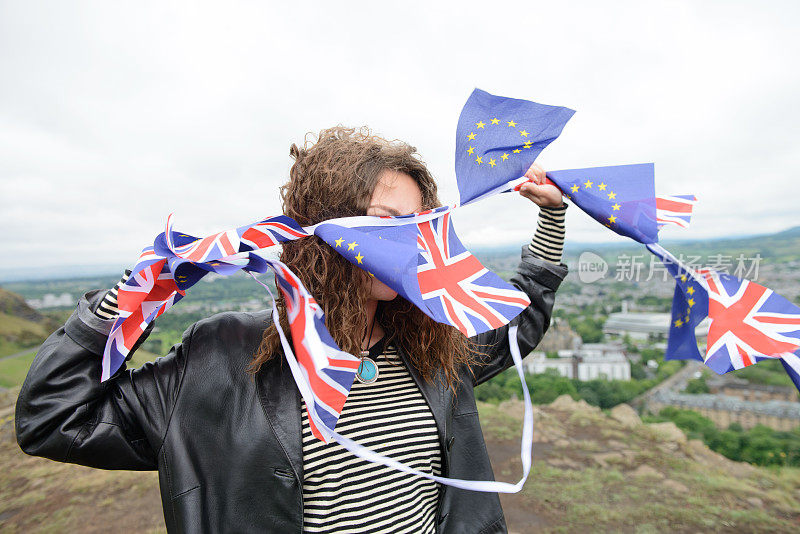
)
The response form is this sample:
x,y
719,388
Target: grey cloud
x,y
124,115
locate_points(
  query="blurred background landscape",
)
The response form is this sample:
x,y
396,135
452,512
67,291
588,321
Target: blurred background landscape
x,y
624,439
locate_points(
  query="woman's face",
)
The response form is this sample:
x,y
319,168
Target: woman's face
x,y
396,193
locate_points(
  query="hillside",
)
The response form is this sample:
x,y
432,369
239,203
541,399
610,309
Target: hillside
x,y
779,247
20,325
592,472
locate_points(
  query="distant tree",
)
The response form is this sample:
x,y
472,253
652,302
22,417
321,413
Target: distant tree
x,y
769,372
728,443
589,328
697,385
652,354
694,424
760,445
630,346
637,371
548,386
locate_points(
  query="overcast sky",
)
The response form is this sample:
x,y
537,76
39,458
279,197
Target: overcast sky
x,y
114,114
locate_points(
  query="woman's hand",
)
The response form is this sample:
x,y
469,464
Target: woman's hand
x,y
545,195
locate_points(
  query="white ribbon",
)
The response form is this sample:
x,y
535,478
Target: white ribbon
x,y
526,444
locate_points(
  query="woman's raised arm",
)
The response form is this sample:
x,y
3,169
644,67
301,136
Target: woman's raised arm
x,y
66,414
539,275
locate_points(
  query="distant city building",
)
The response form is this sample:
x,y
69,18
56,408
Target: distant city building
x,y
590,361
645,326
559,337
738,387
724,410
52,301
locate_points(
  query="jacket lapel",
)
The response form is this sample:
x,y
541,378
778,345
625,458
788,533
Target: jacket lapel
x,y
282,406
437,397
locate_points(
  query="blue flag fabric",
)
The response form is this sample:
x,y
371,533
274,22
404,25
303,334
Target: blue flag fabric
x,y
749,322
386,252
498,138
689,309
620,197
427,265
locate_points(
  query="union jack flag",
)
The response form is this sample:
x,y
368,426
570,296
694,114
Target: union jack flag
x,y
675,209
456,287
326,372
749,322
271,231
204,249
149,291
421,258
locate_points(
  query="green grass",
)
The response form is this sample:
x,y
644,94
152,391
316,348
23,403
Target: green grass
x,y
11,325
140,357
13,370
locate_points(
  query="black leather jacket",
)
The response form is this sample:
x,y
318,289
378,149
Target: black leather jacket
x,y
227,446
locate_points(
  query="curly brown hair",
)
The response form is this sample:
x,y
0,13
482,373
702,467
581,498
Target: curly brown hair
x,y
335,176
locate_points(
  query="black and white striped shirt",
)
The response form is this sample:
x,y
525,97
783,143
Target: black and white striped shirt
x,y
344,493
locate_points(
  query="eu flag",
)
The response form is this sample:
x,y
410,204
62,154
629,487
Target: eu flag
x,y
498,138
620,197
427,265
689,309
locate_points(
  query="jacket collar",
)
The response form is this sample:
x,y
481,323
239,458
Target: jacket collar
x,y
283,405
435,395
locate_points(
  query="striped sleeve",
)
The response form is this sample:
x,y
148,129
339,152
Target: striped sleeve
x,y
107,309
548,241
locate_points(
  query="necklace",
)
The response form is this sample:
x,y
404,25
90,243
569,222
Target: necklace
x,y
367,370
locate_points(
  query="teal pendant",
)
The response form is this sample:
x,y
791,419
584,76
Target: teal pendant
x,y
367,371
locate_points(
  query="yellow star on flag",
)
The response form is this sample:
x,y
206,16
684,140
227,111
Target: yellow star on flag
x,y
512,124
352,246
690,290
602,186
690,302
480,124
359,257
523,133
683,278
492,162
339,242
588,184
516,151
495,121
471,150
528,144
612,219
479,160
612,195
471,136
504,156
615,207
678,322
575,188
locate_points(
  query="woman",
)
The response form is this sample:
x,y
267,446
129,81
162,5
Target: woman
x,y
221,418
